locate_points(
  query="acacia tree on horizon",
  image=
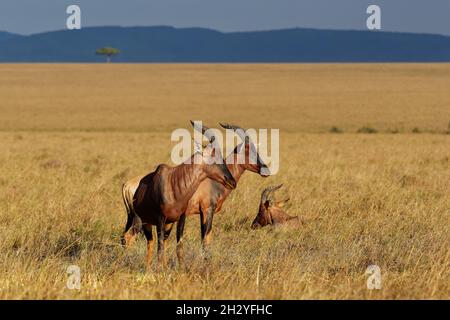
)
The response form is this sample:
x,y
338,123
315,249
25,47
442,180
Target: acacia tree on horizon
x,y
108,52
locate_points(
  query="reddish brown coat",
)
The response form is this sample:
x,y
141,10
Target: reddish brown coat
x,y
160,198
270,212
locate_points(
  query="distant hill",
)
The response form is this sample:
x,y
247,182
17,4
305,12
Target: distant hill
x,y
6,36
168,44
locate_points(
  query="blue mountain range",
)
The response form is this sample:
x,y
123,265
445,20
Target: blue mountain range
x,y
168,44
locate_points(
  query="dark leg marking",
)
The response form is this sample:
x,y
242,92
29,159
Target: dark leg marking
x,y
149,236
160,229
180,231
206,219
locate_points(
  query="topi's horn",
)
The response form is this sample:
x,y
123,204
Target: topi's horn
x,y
204,130
265,195
240,132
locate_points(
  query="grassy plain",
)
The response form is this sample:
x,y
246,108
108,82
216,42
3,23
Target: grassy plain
x,y
70,135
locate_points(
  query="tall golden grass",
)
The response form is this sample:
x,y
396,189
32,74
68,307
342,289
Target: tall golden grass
x,y
72,134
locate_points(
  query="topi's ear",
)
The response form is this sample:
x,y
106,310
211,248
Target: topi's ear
x,y
280,204
209,150
240,132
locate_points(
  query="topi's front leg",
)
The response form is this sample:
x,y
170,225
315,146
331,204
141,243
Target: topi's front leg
x,y
180,231
160,229
149,236
206,219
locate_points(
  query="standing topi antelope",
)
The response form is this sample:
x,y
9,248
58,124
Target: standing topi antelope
x,y
160,198
210,195
271,212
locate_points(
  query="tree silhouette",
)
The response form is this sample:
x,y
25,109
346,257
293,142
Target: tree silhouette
x,y
108,52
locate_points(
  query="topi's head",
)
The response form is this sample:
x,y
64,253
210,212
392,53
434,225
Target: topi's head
x,y
212,161
252,159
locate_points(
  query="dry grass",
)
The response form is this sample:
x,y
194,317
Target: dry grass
x,y
296,98
72,134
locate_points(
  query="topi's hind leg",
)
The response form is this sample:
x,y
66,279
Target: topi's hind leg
x,y
132,228
127,236
133,225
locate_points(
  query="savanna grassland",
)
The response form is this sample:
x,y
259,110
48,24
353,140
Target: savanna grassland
x,y
70,135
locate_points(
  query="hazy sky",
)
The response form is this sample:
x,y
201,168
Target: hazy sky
x,y
32,16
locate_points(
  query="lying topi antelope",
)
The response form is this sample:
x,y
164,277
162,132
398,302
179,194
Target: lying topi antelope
x,y
160,198
210,195
271,212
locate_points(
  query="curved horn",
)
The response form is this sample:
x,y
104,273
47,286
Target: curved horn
x,y
204,131
240,131
268,192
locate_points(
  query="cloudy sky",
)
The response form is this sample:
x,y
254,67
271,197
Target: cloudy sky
x,y
33,16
